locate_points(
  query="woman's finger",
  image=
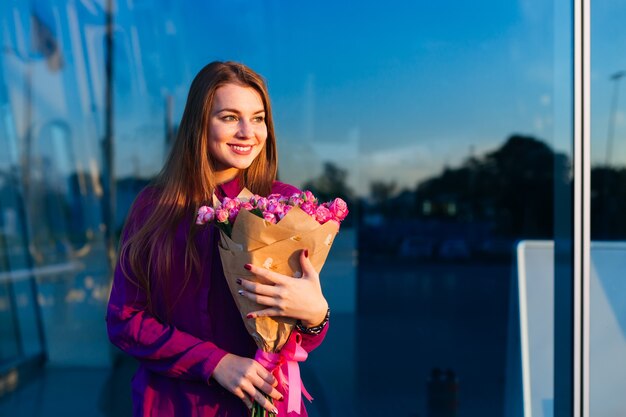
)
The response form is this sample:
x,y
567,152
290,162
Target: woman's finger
x,y
268,312
258,397
270,276
239,393
268,389
307,267
267,376
259,299
258,288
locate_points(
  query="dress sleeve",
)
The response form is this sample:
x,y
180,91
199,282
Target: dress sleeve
x,y
159,346
312,341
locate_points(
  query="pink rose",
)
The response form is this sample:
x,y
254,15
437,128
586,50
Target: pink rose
x,y
296,200
221,215
205,214
254,199
323,214
230,203
309,208
339,209
209,215
309,197
276,208
261,203
269,217
232,214
247,206
283,213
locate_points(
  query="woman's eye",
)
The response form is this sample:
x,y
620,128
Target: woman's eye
x,y
259,119
229,118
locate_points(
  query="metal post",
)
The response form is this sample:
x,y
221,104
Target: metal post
x,y
571,329
108,141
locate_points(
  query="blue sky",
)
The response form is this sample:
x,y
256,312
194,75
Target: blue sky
x,y
391,91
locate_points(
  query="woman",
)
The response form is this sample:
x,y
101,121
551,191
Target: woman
x,y
170,306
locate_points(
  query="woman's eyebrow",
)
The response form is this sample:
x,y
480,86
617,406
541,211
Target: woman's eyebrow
x,y
237,111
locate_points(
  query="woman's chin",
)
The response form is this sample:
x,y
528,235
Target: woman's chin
x,y
243,163
240,165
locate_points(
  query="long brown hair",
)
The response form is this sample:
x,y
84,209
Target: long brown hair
x,y
187,180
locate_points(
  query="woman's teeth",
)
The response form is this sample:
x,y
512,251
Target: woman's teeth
x,y
241,148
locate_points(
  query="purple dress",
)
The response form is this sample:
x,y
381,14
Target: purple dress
x,y
177,355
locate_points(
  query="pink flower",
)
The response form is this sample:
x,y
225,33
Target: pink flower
x,y
296,200
247,206
276,207
269,217
323,214
309,208
221,215
232,214
205,214
339,209
209,215
230,203
309,197
261,203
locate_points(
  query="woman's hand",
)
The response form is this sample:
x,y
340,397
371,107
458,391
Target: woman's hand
x,y
248,380
286,296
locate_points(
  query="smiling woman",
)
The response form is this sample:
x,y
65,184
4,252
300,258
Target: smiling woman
x,y
170,306
237,130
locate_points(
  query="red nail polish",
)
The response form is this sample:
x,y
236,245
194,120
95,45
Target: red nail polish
x,y
249,316
248,266
306,253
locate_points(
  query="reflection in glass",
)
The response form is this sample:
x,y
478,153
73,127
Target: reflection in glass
x,y
608,208
444,129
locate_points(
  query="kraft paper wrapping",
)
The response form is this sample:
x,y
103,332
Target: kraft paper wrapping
x,y
276,247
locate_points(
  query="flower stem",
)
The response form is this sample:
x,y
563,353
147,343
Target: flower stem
x,y
259,411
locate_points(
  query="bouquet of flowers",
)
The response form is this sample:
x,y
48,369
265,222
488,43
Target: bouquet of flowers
x,y
271,231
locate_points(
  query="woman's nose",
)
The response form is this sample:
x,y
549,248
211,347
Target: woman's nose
x,y
246,129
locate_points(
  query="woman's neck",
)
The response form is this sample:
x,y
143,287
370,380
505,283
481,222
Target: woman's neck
x,y
226,175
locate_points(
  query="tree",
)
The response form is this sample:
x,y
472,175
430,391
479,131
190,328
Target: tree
x,y
332,183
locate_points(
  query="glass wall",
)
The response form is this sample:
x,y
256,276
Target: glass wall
x,y
608,210
446,126
51,129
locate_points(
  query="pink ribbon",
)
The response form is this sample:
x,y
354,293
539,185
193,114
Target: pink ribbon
x,y
284,366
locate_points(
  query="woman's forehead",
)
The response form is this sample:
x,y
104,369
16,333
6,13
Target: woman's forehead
x,y
237,97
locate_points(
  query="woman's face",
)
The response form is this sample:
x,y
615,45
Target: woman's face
x,y
237,129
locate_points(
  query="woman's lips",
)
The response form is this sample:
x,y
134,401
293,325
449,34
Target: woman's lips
x,y
241,149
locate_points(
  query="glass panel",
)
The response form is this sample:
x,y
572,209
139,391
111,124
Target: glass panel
x,y
52,69
18,323
446,127
448,130
608,208
9,338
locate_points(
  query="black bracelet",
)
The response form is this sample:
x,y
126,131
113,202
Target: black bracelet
x,y
315,329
